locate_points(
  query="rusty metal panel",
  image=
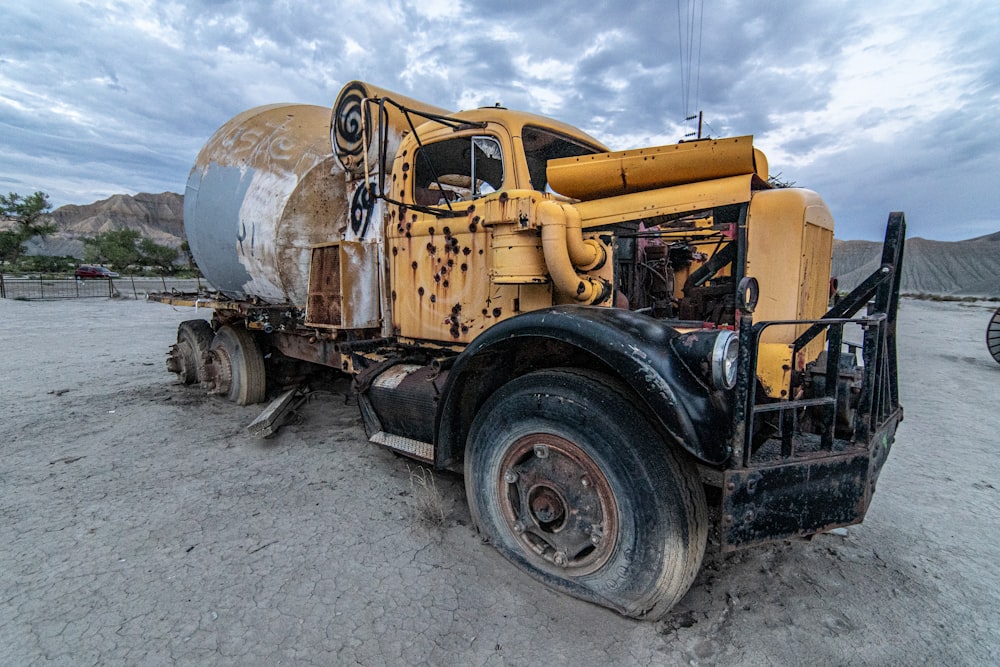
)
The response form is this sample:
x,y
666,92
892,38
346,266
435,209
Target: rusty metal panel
x,y
344,286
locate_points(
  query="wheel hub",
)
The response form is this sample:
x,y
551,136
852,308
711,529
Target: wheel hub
x,y
218,372
558,504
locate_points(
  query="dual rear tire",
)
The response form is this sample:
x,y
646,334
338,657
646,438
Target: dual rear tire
x,y
228,362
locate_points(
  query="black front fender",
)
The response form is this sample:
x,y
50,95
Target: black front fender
x,y
653,358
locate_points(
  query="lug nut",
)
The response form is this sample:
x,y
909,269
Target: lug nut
x,y
541,451
559,559
510,477
584,482
519,527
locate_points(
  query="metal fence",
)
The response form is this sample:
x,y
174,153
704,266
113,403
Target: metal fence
x,y
46,288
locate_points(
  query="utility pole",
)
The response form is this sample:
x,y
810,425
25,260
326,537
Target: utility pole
x,y
698,133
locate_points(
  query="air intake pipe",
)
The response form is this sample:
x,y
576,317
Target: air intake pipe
x,y
565,249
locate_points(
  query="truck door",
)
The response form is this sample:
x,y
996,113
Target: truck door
x,y
439,252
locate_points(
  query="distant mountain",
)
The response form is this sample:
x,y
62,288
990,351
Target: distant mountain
x,y
948,268
159,217
959,268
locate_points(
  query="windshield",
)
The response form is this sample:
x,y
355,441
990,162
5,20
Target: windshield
x,y
540,146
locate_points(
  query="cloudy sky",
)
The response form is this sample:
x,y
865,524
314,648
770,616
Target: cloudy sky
x,y
891,105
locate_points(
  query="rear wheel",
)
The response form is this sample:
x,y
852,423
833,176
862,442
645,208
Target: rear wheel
x,y
235,367
993,336
187,357
571,482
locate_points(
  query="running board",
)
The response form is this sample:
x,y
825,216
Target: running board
x,y
423,451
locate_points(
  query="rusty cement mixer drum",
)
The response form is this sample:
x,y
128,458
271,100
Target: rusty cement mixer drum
x,y
264,189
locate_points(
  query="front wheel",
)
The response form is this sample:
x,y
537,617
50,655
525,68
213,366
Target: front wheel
x,y
571,482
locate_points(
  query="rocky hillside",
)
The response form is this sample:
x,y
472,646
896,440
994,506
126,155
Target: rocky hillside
x,y
957,268
159,217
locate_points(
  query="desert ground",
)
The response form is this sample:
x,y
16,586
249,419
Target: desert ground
x,y
141,525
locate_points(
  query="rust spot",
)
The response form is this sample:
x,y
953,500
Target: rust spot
x,y
466,251
406,167
465,329
451,262
430,231
456,309
420,291
434,298
437,278
431,248
496,312
503,197
444,283
395,251
580,288
453,245
486,313
464,267
480,251
413,218
414,265
447,232
393,295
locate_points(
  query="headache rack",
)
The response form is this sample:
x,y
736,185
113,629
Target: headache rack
x,y
792,483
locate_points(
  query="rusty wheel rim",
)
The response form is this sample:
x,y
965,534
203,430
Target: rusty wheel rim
x,y
219,371
558,504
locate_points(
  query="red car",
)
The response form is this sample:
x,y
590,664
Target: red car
x,y
86,271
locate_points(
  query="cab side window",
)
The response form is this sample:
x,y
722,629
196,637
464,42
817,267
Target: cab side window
x,y
456,170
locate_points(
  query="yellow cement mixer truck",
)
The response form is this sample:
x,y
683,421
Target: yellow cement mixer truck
x,y
623,352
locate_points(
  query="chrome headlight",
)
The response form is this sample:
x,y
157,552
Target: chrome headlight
x,y
725,353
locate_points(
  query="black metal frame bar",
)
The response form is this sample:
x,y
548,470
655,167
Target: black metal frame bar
x,y
879,399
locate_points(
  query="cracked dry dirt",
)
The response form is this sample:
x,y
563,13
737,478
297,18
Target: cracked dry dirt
x,y
140,525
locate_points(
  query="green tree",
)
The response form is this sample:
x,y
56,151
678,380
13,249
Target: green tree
x,y
160,256
11,246
186,249
30,215
125,247
119,247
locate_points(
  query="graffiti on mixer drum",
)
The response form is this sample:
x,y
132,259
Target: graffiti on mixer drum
x,y
349,141
362,207
242,235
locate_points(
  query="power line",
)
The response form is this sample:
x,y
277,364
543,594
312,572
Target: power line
x,y
690,27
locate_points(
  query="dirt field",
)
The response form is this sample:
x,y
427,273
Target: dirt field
x,y
140,525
